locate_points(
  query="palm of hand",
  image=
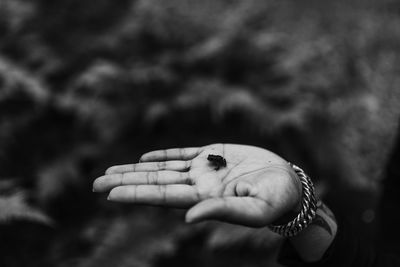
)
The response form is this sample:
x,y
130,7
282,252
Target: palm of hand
x,y
255,188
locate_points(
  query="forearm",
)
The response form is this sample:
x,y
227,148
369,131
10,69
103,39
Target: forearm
x,y
312,242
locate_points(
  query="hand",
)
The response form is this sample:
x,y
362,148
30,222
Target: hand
x,y
255,188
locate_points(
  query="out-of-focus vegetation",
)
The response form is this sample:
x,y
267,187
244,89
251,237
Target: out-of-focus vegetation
x,y
88,84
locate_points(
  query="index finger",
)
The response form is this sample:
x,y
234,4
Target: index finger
x,y
187,153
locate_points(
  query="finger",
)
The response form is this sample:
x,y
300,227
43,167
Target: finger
x,y
173,165
238,210
171,154
107,182
165,195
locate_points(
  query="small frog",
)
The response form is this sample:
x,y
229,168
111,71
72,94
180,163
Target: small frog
x,y
217,161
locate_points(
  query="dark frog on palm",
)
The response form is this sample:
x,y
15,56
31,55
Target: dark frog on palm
x,y
217,161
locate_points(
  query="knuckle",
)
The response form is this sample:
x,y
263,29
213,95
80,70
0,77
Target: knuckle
x,y
161,165
134,193
153,177
122,178
148,177
187,179
163,191
190,181
109,170
188,163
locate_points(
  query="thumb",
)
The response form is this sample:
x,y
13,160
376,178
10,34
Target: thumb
x,y
247,211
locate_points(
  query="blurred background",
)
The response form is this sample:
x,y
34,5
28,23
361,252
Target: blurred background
x,y
88,84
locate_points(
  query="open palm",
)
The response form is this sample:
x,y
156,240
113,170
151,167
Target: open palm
x,y
255,188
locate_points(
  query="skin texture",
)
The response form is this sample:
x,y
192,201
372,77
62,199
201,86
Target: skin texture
x,y
255,188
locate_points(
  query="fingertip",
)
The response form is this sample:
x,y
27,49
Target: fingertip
x,y
104,183
144,157
195,214
113,195
188,220
109,170
122,194
96,185
188,217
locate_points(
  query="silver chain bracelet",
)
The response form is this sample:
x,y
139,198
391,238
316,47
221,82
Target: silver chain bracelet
x,y
308,207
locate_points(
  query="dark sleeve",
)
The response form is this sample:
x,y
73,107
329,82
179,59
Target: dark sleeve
x,y
349,248
389,208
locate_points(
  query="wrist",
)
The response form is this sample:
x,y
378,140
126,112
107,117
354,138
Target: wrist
x,y
295,207
314,227
312,243
307,210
